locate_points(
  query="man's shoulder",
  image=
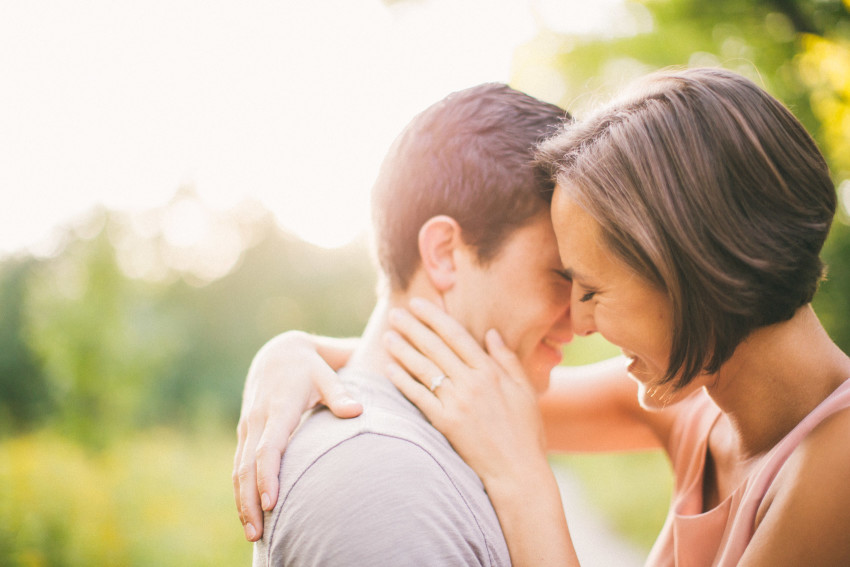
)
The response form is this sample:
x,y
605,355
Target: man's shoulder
x,y
381,499
387,420
380,428
370,465
382,443
383,483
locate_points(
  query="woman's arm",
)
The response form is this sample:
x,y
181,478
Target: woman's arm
x,y
532,518
489,413
295,371
291,374
594,408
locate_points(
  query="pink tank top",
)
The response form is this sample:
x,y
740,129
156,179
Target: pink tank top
x,y
691,537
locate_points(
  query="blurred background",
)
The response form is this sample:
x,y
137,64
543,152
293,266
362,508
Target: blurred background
x,y
183,180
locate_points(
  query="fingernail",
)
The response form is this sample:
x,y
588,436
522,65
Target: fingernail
x,y
348,402
390,337
418,302
250,532
266,501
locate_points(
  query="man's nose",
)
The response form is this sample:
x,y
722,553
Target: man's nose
x,y
565,321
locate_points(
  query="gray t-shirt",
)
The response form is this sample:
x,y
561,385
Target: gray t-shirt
x,y
384,488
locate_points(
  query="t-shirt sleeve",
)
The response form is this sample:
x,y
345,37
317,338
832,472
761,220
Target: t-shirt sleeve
x,y
373,500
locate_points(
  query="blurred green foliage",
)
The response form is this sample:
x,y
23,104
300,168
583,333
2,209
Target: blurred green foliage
x,y
157,497
123,350
85,345
119,395
632,490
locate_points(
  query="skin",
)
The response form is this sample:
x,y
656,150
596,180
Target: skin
x,y
536,326
611,299
527,266
776,377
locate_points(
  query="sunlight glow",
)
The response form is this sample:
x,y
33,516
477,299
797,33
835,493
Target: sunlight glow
x,y
292,104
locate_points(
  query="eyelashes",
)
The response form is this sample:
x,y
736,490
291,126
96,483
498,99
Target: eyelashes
x,y
567,275
587,296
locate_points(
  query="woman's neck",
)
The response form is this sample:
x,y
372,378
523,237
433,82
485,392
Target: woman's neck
x,y
775,378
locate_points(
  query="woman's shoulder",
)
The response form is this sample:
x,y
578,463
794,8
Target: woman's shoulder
x,y
818,445
826,430
810,493
826,445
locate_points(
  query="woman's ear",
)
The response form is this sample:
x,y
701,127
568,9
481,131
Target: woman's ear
x,y
439,239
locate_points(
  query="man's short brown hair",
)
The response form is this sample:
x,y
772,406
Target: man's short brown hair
x,y
468,156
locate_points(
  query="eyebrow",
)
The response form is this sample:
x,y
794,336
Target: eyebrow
x,y
571,273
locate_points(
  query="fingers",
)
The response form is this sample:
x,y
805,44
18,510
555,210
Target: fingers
x,y
449,330
245,482
236,460
416,392
268,469
269,452
505,357
334,395
424,352
417,364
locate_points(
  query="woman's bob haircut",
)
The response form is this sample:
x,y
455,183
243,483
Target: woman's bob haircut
x,y
710,189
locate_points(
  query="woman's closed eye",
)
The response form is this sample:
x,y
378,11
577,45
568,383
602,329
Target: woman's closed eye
x,y
587,296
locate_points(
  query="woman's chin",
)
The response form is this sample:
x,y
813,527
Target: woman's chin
x,y
652,398
649,400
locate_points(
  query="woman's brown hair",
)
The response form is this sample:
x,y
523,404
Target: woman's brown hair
x,y
713,191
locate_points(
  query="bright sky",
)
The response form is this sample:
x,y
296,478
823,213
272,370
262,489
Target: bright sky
x,y
292,103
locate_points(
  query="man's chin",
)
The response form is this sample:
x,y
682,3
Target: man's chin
x,y
539,377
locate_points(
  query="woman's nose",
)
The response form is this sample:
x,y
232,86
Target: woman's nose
x,y
582,317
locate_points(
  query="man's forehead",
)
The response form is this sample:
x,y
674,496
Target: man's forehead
x,y
537,237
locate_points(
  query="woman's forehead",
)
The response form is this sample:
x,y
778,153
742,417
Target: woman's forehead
x,y
576,232
570,220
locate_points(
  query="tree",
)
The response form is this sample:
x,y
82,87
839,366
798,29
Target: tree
x,y
26,397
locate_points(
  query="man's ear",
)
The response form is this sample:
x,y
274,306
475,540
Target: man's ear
x,y
439,239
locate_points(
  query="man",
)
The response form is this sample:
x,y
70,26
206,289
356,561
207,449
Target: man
x,y
461,218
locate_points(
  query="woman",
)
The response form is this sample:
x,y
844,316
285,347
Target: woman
x,y
690,215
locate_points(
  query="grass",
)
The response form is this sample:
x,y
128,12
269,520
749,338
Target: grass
x,y
160,498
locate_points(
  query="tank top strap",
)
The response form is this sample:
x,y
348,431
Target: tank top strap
x,y
759,483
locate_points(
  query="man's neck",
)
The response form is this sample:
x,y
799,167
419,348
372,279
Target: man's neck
x,y
371,355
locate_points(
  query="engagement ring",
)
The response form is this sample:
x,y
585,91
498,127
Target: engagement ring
x,y
435,382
